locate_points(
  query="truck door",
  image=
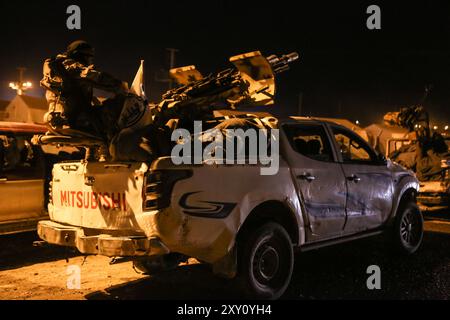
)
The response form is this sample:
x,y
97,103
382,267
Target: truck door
x,y
369,182
319,178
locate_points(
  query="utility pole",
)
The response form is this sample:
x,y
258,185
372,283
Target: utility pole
x,y
168,79
21,85
172,53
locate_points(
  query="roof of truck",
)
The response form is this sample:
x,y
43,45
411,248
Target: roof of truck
x,y
20,127
312,119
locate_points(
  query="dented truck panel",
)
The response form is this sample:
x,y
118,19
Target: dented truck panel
x,y
323,196
376,184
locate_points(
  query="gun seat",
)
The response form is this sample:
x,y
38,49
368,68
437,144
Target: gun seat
x,y
69,137
96,147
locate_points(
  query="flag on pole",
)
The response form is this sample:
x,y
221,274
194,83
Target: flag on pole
x,y
137,87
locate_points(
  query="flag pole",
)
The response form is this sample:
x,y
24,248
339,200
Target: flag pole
x,y
143,77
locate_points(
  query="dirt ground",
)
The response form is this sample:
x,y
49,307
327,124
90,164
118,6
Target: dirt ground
x,y
338,272
48,280
28,272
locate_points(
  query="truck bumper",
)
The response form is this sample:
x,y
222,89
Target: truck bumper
x,y
101,244
433,199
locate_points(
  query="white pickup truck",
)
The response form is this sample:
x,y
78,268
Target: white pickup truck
x,y
331,187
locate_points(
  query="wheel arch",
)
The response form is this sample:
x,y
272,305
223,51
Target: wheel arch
x,y
409,194
275,211
267,211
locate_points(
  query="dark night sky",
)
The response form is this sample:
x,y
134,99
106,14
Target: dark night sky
x,y
345,69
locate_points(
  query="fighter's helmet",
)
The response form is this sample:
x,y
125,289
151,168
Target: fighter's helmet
x,y
80,50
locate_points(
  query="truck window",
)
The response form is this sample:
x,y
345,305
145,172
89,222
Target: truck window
x,y
353,149
309,140
19,159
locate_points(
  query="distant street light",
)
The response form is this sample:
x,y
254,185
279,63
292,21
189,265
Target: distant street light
x,y
446,128
357,122
435,127
20,86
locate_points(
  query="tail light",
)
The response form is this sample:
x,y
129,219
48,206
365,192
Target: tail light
x,y
158,185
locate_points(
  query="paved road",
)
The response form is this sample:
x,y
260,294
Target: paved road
x,y
337,272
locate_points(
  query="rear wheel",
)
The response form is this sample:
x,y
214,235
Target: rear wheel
x,y
408,228
266,261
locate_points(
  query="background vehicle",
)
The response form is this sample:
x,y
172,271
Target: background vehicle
x,y
407,138
331,187
22,177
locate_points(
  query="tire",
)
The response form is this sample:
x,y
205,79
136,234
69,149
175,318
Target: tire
x,y
408,229
265,262
157,264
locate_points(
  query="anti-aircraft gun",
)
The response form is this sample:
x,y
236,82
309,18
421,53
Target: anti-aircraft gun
x,y
250,82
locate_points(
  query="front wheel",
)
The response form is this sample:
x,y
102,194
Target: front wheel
x,y
408,228
266,262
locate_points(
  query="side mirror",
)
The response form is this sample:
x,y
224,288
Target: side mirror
x,y
382,159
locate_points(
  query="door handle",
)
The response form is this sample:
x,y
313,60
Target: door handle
x,y
354,178
69,167
306,176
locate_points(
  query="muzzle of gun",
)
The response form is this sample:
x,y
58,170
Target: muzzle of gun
x,y
280,64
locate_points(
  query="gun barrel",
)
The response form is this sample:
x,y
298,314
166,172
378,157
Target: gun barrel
x,y
273,59
291,57
278,62
224,81
281,69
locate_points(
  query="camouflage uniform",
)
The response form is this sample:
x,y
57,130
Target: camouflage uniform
x,y
70,85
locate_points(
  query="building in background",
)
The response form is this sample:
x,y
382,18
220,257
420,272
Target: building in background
x,y
24,109
3,105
